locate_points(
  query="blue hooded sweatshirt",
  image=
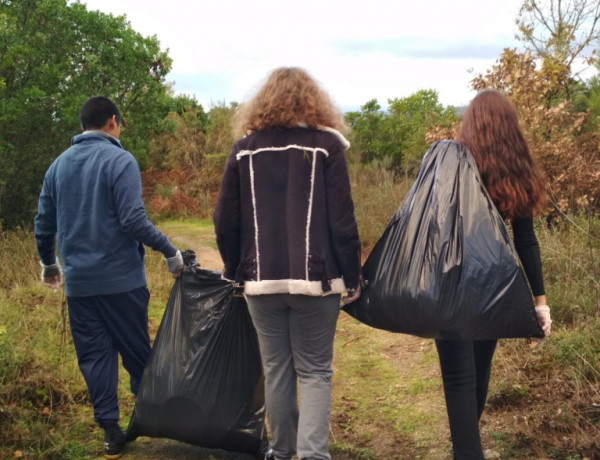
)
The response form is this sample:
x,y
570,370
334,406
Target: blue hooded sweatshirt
x,y
91,202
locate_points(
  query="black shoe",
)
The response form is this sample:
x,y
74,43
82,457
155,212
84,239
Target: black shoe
x,y
114,442
270,455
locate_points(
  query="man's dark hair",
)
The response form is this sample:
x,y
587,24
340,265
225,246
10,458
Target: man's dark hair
x,y
96,111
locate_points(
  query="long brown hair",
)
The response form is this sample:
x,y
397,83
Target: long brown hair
x,y
290,97
490,130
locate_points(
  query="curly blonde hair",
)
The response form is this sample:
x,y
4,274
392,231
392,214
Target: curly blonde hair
x,y
290,97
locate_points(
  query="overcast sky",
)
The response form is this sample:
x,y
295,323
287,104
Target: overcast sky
x,y
357,49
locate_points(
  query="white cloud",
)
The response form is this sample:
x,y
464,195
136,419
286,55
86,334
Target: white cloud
x,y
358,49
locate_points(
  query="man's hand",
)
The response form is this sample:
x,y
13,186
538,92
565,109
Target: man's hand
x,y
52,275
175,264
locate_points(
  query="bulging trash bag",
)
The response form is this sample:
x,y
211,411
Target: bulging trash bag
x,y
445,266
203,383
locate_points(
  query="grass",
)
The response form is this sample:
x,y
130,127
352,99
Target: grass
x,y
189,232
377,196
387,401
41,387
381,395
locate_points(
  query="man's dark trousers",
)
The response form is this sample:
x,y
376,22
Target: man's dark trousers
x,y
104,326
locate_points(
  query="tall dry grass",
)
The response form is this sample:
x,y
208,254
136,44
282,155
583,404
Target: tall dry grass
x,y
45,412
377,193
40,386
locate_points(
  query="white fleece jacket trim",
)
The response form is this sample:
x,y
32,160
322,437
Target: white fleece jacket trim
x,y
255,218
329,129
340,136
297,287
243,153
309,213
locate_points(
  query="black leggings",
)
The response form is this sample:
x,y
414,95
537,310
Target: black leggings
x,y
466,369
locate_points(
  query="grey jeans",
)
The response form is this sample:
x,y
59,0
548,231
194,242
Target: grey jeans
x,y
295,335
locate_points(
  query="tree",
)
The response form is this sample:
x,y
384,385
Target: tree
x,y
588,99
219,128
398,135
559,30
188,158
53,56
181,143
182,102
593,101
373,136
556,133
413,117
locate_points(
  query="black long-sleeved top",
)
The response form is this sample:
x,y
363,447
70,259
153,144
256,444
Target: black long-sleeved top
x,y
528,249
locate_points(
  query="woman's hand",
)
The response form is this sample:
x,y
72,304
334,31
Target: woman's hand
x,y
544,320
351,296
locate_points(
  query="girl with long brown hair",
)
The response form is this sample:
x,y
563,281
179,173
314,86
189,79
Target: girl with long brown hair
x,y
286,230
490,130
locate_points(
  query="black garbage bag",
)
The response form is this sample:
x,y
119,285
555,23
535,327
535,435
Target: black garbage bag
x,y
445,266
203,383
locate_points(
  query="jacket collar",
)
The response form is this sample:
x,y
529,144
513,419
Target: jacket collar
x,y
95,134
340,136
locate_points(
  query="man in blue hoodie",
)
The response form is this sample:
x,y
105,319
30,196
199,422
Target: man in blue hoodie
x,y
91,205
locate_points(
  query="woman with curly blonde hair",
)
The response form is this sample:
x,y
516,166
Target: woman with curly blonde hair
x,y
490,130
286,231
289,98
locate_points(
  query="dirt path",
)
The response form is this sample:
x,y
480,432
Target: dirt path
x,y
387,401
207,257
413,393
387,394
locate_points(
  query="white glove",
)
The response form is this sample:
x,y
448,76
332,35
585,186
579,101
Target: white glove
x,y
175,264
52,275
544,320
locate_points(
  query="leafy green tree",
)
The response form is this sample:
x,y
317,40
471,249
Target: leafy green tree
x,y
183,102
373,136
398,136
413,116
181,143
53,56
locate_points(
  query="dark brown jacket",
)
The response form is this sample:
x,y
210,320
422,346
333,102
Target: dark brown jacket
x,y
284,219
